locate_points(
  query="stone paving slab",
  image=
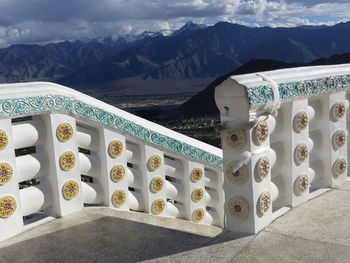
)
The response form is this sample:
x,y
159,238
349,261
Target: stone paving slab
x,y
325,218
272,247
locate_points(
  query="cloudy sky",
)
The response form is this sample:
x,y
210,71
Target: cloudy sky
x,y
42,21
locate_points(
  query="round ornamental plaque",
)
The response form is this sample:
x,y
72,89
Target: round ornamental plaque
x,y
119,198
235,138
157,184
8,206
197,194
158,206
198,215
196,175
302,183
264,202
301,153
70,190
6,173
117,173
3,140
301,120
240,176
262,131
64,132
338,110
115,148
339,139
238,208
67,161
339,166
154,162
263,167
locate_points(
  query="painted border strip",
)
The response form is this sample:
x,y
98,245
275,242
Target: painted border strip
x,y
37,104
289,90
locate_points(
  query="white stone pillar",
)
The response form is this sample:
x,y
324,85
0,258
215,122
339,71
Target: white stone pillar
x,y
194,190
11,221
113,160
291,172
248,189
152,168
329,133
58,144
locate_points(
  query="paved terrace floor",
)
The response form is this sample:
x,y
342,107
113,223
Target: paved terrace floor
x,y
317,231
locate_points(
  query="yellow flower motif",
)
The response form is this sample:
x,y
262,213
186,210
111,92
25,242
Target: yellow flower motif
x,y
115,148
240,176
6,173
238,208
158,206
263,167
301,153
154,162
338,110
302,183
64,132
339,166
70,190
67,161
198,215
262,131
157,184
119,198
3,140
117,173
235,138
301,120
197,194
339,138
7,206
264,202
196,175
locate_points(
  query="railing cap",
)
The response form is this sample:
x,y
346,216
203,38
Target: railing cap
x,y
292,83
38,97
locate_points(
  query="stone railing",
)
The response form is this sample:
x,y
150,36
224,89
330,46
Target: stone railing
x,y
61,150
284,140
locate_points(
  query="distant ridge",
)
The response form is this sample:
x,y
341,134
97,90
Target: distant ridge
x,y
203,103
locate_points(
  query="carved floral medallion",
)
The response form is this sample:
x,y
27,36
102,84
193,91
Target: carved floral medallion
x,y
115,148
198,215
119,198
117,173
158,206
238,208
67,161
8,206
70,190
301,120
262,131
157,184
154,162
235,138
239,176
197,194
64,132
301,153
6,173
196,175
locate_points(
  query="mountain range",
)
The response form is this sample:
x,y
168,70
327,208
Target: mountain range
x,y
190,53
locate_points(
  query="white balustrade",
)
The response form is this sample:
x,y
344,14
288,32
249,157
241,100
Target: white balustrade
x,y
281,147
284,140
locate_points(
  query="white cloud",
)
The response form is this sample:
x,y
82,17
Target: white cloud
x,y
26,21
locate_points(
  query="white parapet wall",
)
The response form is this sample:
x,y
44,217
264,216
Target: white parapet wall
x,y
61,150
284,139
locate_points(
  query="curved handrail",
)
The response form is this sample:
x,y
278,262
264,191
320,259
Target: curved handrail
x,y
38,97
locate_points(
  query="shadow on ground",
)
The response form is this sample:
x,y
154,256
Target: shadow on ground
x,y
108,239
